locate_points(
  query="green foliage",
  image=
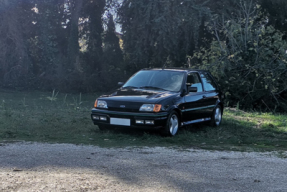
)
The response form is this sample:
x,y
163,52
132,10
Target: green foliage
x,y
113,55
40,45
113,68
249,59
14,31
277,13
75,7
157,31
93,30
48,46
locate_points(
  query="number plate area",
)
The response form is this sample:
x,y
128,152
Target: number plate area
x,y
120,121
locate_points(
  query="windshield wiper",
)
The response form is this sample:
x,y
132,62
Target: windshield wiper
x,y
131,87
152,87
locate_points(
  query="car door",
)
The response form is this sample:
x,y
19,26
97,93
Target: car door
x,y
193,108
211,93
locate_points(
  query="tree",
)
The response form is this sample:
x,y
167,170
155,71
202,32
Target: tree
x,y
157,32
277,13
93,30
248,57
75,7
48,46
15,28
113,55
113,69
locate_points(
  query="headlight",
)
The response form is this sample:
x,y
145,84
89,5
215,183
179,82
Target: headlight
x,y
101,104
150,107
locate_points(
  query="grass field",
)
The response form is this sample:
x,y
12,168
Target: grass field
x,y
65,118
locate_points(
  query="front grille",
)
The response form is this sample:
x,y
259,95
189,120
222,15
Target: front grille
x,y
124,106
123,109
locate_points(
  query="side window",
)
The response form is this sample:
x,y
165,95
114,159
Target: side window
x,y
193,81
208,82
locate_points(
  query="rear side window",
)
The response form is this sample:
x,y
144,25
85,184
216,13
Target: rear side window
x,y
208,83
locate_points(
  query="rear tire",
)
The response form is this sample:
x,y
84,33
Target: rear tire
x,y
172,125
216,116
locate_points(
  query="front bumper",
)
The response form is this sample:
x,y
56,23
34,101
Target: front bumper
x,y
159,119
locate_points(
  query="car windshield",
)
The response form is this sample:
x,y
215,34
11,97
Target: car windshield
x,y
156,80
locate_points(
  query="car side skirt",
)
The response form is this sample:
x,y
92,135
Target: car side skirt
x,y
195,121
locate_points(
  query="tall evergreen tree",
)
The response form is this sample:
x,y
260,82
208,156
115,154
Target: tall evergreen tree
x,y
15,28
113,55
49,46
75,7
93,30
156,32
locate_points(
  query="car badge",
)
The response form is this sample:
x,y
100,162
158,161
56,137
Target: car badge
x,y
122,106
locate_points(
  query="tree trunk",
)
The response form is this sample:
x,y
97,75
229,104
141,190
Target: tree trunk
x,y
73,44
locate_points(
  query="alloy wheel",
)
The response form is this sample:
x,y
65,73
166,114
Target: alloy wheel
x,y
217,116
173,124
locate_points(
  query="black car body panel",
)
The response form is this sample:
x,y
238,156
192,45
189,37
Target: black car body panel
x,y
123,105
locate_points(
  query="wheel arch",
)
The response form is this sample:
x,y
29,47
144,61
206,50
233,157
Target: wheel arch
x,y
220,103
222,107
178,111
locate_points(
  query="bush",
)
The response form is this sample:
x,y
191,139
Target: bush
x,y
249,59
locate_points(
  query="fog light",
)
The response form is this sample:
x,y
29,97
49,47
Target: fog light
x,y
96,117
149,122
139,121
102,118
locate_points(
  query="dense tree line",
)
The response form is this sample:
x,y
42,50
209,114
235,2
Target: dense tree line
x,y
56,44
71,45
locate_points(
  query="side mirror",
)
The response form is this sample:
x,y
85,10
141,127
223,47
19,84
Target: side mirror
x,y
121,83
192,89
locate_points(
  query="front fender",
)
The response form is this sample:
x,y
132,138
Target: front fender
x,y
177,109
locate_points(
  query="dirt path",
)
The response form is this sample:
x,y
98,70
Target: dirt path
x,y
66,167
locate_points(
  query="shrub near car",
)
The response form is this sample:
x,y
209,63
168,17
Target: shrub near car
x,y
163,99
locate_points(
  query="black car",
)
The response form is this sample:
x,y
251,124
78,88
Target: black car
x,y
164,99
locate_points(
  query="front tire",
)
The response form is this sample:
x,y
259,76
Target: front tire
x,y
216,116
172,125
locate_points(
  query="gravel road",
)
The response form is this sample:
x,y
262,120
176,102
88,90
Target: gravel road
x,y
67,167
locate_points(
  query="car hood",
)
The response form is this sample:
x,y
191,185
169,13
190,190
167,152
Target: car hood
x,y
131,100
137,95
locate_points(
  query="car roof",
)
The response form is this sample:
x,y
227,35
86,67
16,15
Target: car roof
x,y
176,69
